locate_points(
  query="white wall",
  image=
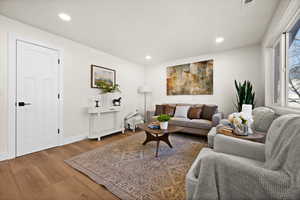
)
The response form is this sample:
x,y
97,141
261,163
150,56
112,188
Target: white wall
x,y
240,64
76,79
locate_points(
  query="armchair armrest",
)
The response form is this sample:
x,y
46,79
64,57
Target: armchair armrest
x,y
239,147
216,118
149,116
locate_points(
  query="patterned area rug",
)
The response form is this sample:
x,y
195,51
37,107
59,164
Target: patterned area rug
x,y
131,171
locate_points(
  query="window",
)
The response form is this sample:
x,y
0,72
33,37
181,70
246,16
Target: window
x,y
293,66
286,68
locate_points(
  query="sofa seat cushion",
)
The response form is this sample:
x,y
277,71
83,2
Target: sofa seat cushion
x,y
199,123
177,121
191,123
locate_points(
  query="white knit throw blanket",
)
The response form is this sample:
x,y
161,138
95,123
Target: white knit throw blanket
x,y
224,177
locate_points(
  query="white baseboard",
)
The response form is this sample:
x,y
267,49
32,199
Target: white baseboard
x,y
73,139
69,140
4,156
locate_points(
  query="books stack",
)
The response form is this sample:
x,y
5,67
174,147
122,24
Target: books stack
x,y
154,125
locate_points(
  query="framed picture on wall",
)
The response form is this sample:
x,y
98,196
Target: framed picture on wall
x,y
191,79
102,74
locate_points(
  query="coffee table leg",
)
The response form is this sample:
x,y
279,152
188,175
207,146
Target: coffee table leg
x,y
157,147
149,138
165,138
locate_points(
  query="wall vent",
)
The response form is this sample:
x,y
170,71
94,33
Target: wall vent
x,y
246,2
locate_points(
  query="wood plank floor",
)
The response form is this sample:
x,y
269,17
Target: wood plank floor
x,y
44,175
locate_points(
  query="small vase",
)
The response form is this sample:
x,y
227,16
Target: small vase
x,y
241,130
163,125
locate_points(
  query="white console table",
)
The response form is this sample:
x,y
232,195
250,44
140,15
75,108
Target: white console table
x,y
96,112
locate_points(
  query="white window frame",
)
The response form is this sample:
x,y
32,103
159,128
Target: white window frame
x,y
290,26
283,39
280,103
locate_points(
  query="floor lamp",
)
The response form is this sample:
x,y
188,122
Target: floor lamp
x,y
145,89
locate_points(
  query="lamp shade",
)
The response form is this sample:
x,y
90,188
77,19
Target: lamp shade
x,y
144,89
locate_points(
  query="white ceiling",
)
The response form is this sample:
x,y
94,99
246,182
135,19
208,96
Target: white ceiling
x,y
164,29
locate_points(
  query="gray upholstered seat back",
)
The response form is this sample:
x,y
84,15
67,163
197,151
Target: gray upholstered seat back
x,y
263,118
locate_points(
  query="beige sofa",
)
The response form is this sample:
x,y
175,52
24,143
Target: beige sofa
x,y
193,126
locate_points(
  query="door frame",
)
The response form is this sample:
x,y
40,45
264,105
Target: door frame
x,y
12,87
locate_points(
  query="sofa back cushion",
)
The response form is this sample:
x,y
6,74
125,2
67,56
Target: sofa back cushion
x,y
181,111
208,111
169,110
159,109
194,112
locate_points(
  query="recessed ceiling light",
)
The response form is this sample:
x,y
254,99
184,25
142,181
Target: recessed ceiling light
x,y
148,57
64,17
219,39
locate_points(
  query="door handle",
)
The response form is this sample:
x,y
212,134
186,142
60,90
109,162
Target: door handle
x,y
24,104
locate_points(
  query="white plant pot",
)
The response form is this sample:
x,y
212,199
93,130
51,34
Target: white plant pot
x,y
163,125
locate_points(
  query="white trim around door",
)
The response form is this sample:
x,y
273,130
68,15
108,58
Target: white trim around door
x,y
12,80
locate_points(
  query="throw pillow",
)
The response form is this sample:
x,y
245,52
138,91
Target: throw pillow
x,y
181,111
208,111
194,113
169,110
159,109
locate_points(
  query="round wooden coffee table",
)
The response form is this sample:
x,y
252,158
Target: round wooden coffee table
x,y
159,135
255,137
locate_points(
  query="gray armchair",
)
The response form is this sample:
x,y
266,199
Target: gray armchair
x,y
240,169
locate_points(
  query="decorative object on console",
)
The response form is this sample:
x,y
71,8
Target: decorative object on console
x,y
245,94
117,102
107,87
145,89
94,101
100,74
190,79
163,119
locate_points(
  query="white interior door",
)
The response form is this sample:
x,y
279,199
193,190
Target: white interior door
x,y
37,106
